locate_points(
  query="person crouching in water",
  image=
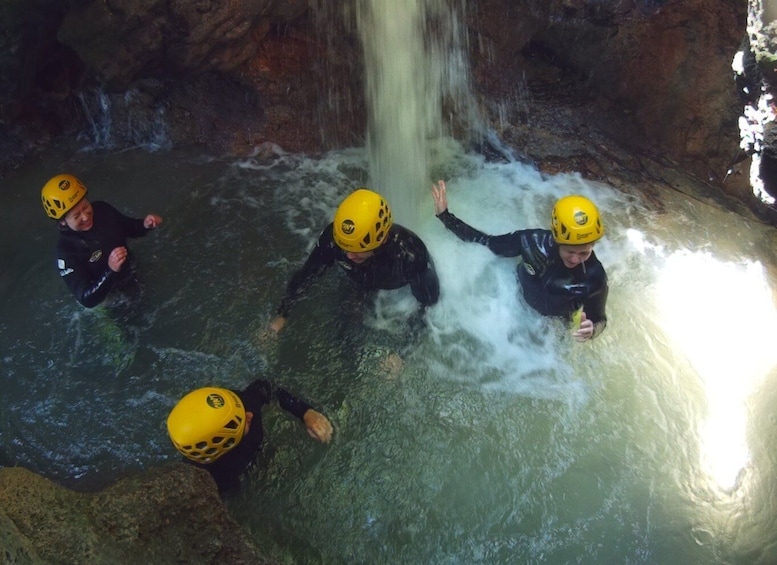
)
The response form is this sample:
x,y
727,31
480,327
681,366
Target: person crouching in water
x,y
559,272
220,430
371,250
92,253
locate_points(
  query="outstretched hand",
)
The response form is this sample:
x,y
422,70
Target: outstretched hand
x,y
392,365
152,221
276,324
268,336
439,193
318,426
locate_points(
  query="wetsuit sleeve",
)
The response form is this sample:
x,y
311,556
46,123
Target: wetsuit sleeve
x,y
507,245
291,403
320,259
594,306
256,395
426,286
261,392
89,291
133,227
93,294
424,283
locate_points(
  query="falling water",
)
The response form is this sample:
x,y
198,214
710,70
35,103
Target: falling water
x,y
415,67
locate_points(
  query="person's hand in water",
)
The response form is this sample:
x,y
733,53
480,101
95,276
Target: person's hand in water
x,y
277,323
152,221
392,365
586,329
318,426
269,334
439,193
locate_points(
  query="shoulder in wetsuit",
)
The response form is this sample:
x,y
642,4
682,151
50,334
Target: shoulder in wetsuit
x,y
227,469
548,285
402,260
82,256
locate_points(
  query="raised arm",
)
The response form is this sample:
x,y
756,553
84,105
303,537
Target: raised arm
x,y
440,196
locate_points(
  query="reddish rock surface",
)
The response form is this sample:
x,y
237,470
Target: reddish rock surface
x,y
571,84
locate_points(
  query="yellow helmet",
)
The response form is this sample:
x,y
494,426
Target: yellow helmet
x,y
575,221
362,221
207,423
60,194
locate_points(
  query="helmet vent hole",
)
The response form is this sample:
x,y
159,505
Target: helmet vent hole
x,y
201,445
232,425
217,440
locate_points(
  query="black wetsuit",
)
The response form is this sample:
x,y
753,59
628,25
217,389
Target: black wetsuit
x,y
82,256
402,260
548,286
228,468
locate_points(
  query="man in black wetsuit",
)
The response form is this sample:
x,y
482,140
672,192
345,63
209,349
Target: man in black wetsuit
x,y
559,272
92,253
220,430
371,250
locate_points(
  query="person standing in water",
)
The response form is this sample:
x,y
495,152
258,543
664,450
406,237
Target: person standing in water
x,y
559,272
220,430
92,254
371,250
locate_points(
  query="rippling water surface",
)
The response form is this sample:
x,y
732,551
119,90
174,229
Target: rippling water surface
x,y
500,440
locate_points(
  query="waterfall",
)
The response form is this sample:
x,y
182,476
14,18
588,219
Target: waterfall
x,y
415,70
416,89
122,121
97,112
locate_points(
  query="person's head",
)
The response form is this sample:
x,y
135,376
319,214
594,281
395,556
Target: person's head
x,y
61,195
207,423
576,226
362,222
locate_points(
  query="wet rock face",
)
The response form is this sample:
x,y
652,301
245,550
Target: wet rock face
x,y
654,76
172,514
651,77
755,67
122,40
231,70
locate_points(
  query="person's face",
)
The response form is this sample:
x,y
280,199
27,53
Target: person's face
x,y
359,257
249,419
573,255
79,217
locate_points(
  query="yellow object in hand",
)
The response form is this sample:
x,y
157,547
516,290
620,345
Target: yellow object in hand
x,y
577,317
